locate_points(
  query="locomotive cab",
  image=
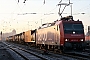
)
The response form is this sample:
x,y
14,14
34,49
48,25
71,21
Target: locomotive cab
x,y
73,32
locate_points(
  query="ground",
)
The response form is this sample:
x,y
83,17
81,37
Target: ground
x,y
4,55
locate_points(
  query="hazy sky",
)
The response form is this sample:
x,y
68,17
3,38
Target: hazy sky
x,y
18,16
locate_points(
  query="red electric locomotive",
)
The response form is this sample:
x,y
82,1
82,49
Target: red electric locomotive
x,y
62,34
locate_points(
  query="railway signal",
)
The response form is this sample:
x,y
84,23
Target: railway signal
x,y
1,35
1,32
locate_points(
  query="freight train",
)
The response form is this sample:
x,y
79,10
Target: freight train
x,y
64,34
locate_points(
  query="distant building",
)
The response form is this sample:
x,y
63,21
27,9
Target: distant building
x,y
4,35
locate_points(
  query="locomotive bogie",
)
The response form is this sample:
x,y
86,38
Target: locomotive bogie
x,y
75,45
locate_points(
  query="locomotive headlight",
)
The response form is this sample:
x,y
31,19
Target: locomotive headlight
x,y
66,39
81,39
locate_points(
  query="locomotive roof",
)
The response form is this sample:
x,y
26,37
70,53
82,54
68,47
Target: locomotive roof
x,y
57,22
68,19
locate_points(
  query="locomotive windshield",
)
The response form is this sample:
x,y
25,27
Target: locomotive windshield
x,y
70,28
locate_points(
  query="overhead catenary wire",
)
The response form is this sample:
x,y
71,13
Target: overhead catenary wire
x,y
82,8
41,13
11,19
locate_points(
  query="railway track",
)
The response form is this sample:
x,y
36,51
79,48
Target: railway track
x,y
4,54
26,55
78,55
55,56
75,55
49,56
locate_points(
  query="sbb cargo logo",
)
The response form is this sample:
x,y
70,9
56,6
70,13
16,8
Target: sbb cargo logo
x,y
42,37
